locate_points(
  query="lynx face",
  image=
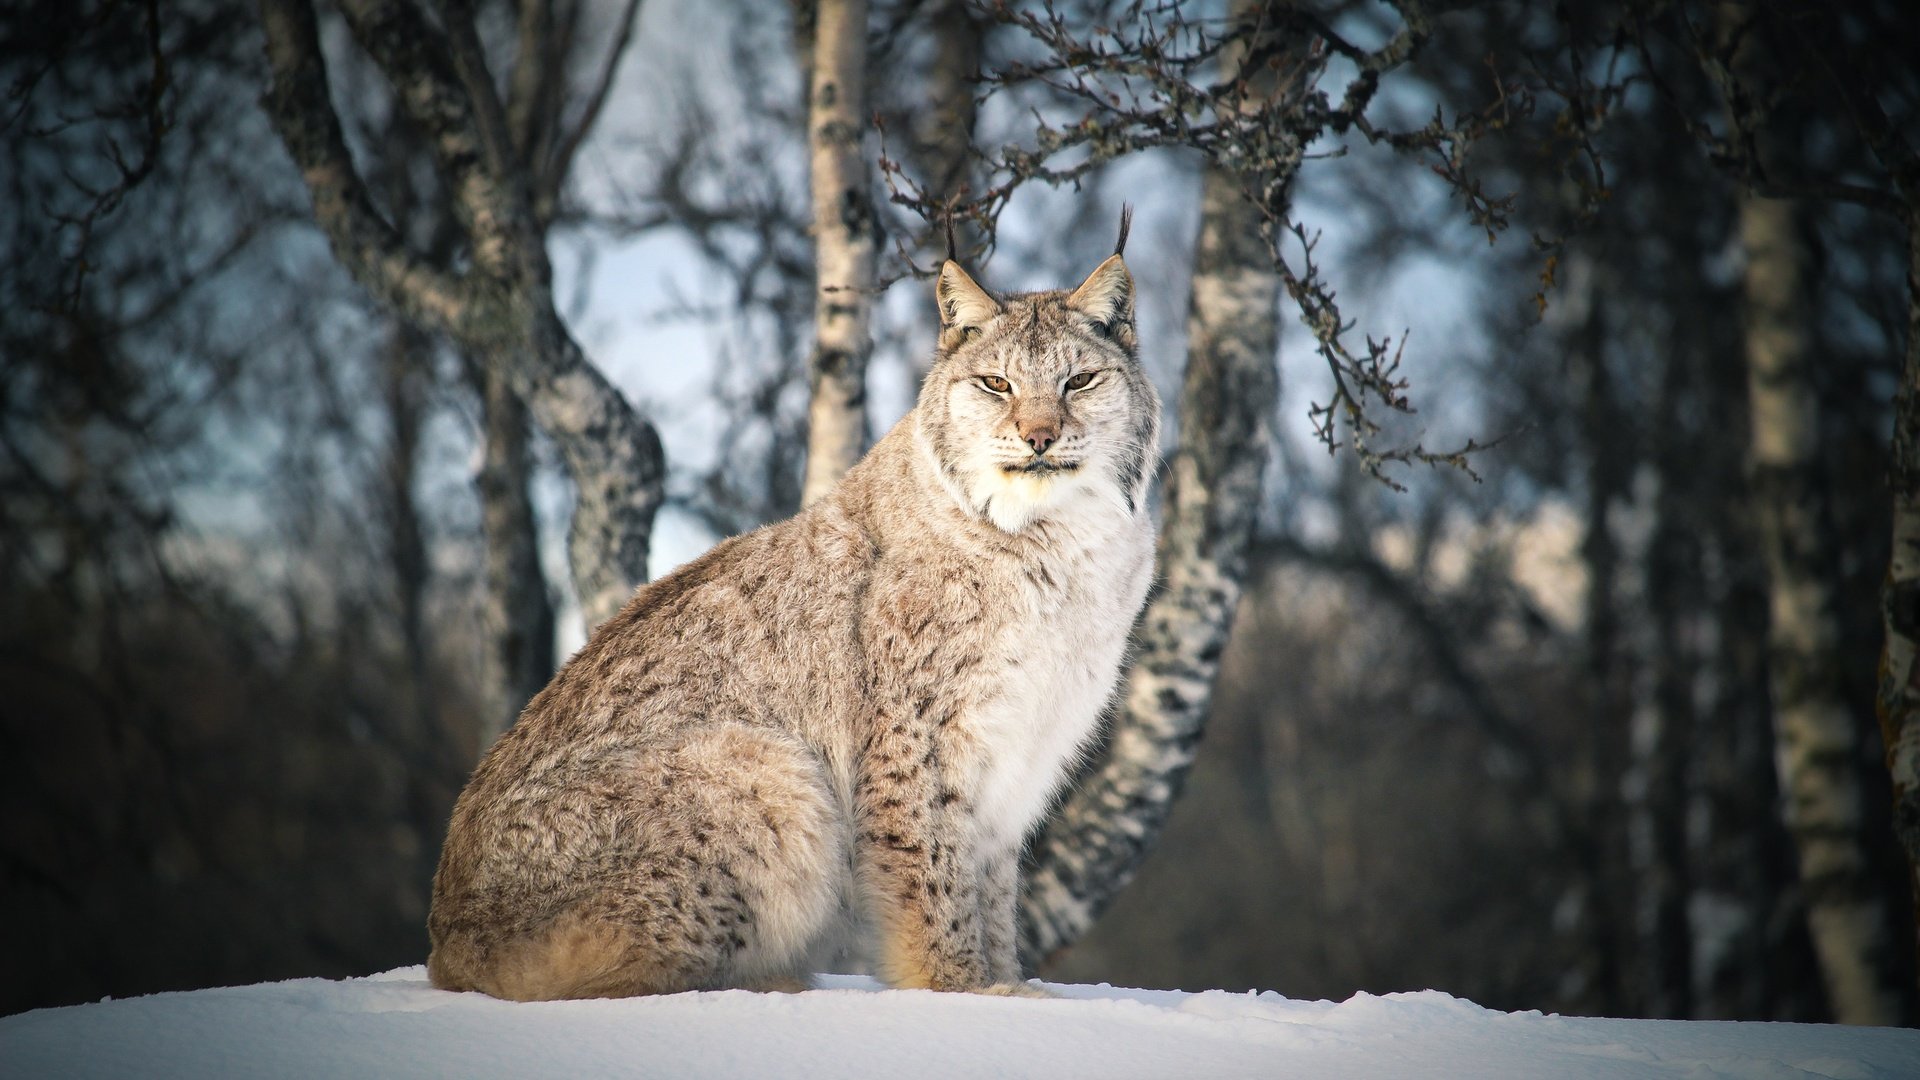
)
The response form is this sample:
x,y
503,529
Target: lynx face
x,y
1037,402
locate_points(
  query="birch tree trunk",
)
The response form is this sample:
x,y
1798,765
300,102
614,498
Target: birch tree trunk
x,y
518,614
501,308
1092,847
1817,743
1898,698
844,246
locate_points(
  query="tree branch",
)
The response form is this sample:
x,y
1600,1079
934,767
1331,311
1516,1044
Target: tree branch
x,y
414,56
300,106
536,72
1887,142
549,174
470,63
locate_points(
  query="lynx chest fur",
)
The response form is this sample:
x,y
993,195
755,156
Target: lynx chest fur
x,y
1057,661
855,716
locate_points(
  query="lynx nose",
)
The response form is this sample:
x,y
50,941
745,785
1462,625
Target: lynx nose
x,y
1041,436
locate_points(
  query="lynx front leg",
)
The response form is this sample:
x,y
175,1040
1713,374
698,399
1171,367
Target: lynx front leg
x,y
999,904
918,870
999,895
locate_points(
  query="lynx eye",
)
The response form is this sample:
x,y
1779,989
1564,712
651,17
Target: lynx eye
x,y
1081,381
995,383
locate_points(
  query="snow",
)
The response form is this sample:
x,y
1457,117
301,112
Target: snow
x,y
395,1025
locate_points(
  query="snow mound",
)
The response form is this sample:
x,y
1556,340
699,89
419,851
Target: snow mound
x,y
395,1025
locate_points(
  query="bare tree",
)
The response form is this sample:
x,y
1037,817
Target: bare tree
x,y
501,166
517,621
1899,690
845,241
1818,748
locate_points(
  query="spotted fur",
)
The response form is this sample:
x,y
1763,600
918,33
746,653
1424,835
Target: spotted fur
x,y
841,727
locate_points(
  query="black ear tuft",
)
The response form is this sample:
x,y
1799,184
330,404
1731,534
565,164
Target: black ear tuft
x,y
1119,247
953,249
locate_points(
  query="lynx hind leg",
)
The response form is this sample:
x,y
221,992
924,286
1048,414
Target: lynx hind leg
x,y
716,867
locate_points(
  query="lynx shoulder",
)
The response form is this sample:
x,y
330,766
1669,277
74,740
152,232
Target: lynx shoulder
x,y
840,728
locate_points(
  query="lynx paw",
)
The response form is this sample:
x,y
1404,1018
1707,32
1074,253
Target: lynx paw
x,y
1019,989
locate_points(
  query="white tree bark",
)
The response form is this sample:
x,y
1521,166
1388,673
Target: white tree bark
x,y
1817,737
844,246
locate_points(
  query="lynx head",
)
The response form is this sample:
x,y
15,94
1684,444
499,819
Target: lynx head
x,y
1037,401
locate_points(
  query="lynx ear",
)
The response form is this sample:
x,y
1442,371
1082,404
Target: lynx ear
x,y
1106,296
963,303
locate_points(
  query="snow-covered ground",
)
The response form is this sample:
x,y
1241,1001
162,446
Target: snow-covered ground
x,y
395,1025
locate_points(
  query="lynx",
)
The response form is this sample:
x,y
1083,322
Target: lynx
x,y
843,726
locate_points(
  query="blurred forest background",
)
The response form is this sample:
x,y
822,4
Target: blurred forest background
x,y
1553,532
